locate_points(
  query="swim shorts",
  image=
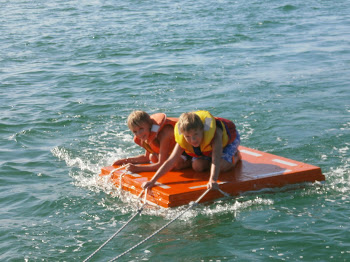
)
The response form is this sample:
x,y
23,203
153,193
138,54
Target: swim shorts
x,y
227,153
231,149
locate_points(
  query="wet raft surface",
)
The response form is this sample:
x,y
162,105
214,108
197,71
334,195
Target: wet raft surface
x,y
256,171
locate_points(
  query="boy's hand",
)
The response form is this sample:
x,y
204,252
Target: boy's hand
x,y
119,162
213,185
147,185
132,168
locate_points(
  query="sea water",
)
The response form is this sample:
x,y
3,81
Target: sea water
x,y
72,71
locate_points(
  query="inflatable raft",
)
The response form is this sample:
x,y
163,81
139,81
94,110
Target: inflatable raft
x,y
257,170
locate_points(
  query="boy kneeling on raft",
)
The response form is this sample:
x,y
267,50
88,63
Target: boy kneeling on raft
x,y
211,142
155,133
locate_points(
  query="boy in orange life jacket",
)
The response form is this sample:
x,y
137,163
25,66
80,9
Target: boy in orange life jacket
x,y
212,142
155,134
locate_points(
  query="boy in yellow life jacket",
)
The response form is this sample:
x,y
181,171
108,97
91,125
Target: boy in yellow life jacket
x,y
155,133
212,142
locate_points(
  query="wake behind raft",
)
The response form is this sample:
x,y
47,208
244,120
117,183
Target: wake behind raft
x,y
257,170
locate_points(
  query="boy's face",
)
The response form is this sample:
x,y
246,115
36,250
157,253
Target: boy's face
x,y
142,131
194,137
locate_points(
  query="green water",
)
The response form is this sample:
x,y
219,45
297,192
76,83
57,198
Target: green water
x,y
72,71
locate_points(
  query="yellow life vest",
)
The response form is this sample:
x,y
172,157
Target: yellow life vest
x,y
159,121
209,123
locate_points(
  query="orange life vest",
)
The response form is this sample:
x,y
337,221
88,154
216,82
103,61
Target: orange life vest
x,y
160,120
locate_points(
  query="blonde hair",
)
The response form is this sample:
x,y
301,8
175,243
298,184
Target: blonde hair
x,y
189,121
136,118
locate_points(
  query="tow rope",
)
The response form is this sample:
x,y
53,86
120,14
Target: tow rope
x,y
120,229
160,229
191,205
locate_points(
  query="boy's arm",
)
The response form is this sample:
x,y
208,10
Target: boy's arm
x,y
166,167
166,141
216,159
133,160
166,144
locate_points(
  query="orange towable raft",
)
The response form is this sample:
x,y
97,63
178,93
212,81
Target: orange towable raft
x,y
256,171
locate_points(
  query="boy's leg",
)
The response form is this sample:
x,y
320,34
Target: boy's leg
x,y
230,155
153,158
225,165
236,158
184,162
201,164
228,165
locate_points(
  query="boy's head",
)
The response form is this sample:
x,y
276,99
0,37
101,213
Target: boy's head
x,y
140,123
137,118
192,128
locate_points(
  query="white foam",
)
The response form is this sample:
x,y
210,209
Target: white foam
x,y
72,161
238,205
246,130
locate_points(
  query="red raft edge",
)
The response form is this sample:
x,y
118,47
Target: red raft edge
x,y
257,170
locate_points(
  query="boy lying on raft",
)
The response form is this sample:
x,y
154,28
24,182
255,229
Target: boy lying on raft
x,y
211,142
155,134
